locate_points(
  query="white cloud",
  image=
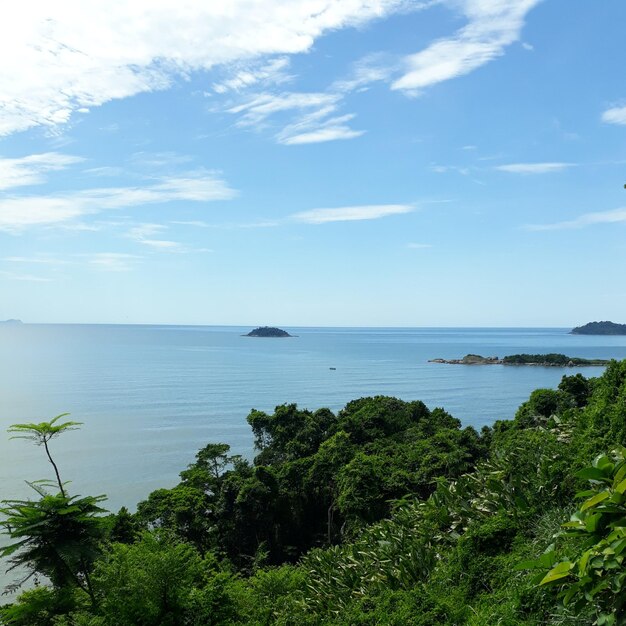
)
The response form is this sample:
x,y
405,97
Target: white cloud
x,y
161,244
144,234
256,110
32,169
38,260
443,169
141,231
534,168
493,25
20,212
228,225
616,115
106,170
251,74
71,56
588,219
112,261
314,121
152,160
30,278
372,68
309,130
351,213
313,113
329,132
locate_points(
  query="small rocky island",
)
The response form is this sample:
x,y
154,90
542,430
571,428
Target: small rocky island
x,y
268,331
11,322
542,360
600,328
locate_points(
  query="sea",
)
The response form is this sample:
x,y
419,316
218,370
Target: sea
x,y
149,397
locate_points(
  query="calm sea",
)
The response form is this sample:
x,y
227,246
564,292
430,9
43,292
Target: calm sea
x,y
150,396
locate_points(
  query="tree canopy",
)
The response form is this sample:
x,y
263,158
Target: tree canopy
x,y
386,512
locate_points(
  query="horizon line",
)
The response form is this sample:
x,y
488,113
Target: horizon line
x,y
214,325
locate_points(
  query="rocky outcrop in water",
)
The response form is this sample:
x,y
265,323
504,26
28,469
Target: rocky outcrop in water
x,y
600,328
268,331
542,360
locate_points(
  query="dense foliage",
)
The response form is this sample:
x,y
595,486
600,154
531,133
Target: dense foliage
x,y
384,513
552,359
600,328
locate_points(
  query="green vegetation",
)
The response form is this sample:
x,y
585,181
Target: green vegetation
x,y
600,328
268,331
384,513
550,360
544,360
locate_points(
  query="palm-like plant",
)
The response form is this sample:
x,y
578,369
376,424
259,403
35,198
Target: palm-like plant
x,y
57,535
41,434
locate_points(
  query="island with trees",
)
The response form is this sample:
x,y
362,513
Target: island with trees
x,y
600,328
543,360
384,512
268,331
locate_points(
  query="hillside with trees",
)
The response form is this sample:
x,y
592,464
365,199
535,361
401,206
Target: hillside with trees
x,y
600,328
386,512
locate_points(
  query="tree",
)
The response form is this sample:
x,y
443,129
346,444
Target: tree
x,y
41,434
147,582
57,536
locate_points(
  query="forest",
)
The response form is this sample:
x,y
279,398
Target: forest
x,y
386,512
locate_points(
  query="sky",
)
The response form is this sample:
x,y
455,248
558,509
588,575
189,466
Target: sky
x,y
313,162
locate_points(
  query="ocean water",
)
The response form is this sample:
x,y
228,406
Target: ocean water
x,y
151,396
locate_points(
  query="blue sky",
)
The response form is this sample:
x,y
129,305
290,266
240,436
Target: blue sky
x,y
319,162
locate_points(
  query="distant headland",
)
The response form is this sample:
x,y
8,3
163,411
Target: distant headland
x,y
600,328
11,322
542,360
268,331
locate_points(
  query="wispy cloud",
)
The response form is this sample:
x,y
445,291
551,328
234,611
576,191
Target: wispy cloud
x,y
70,58
30,278
418,246
246,75
20,212
443,169
372,68
107,170
144,234
257,109
313,119
351,213
615,115
32,169
534,168
112,261
228,225
152,160
313,130
493,25
37,260
613,216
